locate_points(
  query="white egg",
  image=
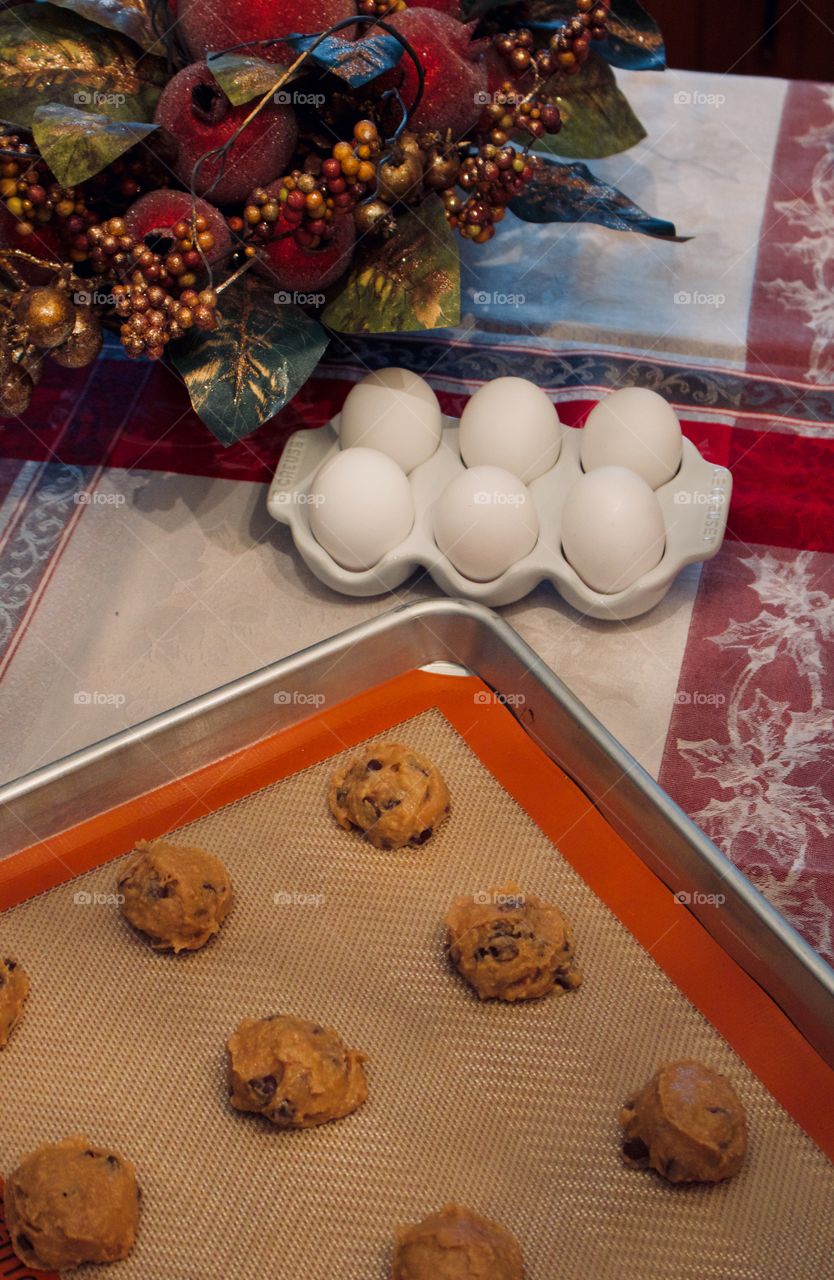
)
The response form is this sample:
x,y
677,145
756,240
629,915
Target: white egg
x,y
395,411
360,507
511,423
484,521
634,428
612,529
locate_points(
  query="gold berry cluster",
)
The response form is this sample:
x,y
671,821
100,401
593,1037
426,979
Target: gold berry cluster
x,y
152,317
38,322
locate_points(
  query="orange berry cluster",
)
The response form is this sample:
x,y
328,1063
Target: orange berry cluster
x,y
306,201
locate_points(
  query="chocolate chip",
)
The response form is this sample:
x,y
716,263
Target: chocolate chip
x,y
423,836
23,1242
114,1162
285,1109
502,947
11,965
92,1154
156,890
263,1087
341,797
635,1149
374,766
718,1111
211,888
391,804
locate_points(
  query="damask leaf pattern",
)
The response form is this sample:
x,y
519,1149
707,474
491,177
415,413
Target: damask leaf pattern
x,y
796,894
245,371
811,244
770,806
49,55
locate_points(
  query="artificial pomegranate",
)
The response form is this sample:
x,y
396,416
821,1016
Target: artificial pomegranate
x,y
455,89
152,218
212,25
196,112
288,266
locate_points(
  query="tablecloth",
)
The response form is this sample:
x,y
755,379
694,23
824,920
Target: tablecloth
x,y
139,566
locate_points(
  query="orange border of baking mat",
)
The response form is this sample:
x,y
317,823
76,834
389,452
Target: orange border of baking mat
x,y
732,1001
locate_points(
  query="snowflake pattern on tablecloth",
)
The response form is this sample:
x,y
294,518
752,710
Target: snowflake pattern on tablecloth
x,y
813,215
771,812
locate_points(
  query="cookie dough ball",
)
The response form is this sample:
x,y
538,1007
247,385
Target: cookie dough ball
x,y
687,1123
295,1073
509,945
177,896
456,1244
391,794
72,1202
14,988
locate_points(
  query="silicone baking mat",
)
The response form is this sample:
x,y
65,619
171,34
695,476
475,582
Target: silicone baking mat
x,y
510,1110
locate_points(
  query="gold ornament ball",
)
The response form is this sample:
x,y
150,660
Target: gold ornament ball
x,y
371,216
47,315
16,388
83,344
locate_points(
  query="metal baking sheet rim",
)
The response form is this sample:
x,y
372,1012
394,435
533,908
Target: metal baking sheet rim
x,y
471,639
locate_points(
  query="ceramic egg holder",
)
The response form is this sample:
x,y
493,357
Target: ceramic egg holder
x,y
694,505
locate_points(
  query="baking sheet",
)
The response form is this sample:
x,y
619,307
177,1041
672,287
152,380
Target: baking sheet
x,y
511,1110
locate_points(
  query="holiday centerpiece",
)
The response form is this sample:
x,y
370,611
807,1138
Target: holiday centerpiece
x,y
225,183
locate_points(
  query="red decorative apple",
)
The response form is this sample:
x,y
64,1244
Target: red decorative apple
x,y
196,112
152,218
212,25
291,268
455,88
